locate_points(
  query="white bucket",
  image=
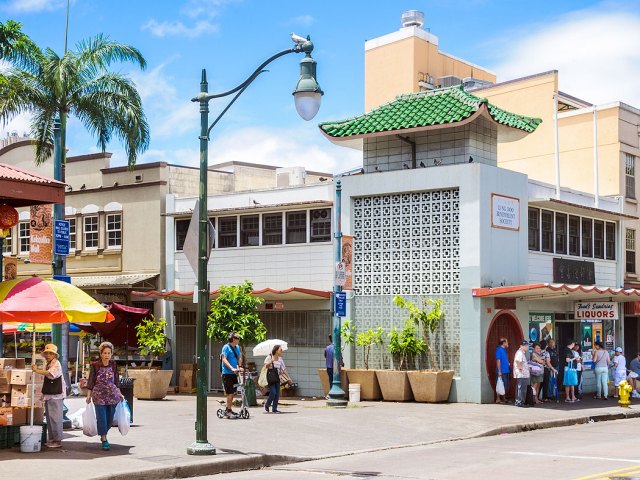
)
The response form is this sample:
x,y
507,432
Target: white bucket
x,y
30,438
354,392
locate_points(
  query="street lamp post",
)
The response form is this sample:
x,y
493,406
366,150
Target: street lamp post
x,y
307,96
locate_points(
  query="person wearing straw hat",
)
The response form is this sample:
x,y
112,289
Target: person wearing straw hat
x,y
53,394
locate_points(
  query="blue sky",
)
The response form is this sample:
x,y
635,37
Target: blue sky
x,y
593,44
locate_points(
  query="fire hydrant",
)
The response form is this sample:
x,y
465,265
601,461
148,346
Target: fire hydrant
x,y
624,392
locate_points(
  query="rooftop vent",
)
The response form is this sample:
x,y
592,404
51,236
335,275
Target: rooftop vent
x,y
412,18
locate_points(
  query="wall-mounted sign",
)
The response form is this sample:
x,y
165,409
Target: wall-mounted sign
x,y
575,272
540,326
505,212
596,311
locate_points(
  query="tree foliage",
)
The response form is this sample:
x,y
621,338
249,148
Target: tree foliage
x,y
43,84
151,337
405,345
236,310
368,339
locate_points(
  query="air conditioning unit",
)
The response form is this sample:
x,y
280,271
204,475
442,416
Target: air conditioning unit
x,y
449,81
138,179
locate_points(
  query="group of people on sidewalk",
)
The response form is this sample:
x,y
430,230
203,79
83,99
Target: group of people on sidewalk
x,y
538,373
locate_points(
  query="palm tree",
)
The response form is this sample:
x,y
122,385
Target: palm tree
x,y
42,83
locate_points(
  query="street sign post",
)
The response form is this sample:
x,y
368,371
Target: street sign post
x,y
341,303
341,274
61,237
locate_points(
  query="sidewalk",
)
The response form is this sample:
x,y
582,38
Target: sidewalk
x,y
156,445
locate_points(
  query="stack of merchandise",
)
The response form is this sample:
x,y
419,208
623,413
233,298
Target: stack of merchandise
x,y
15,393
187,378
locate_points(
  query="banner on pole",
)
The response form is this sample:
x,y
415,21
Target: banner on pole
x,y
41,234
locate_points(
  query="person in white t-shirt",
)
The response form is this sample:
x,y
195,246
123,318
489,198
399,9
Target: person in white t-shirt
x,y
619,370
521,374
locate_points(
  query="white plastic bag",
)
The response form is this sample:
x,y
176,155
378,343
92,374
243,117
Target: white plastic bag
x,y
500,386
122,417
89,421
76,418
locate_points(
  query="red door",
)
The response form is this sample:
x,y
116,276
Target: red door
x,y
504,325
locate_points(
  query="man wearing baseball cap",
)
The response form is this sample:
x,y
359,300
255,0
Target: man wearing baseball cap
x,y
521,374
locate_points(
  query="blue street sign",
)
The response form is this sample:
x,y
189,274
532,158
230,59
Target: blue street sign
x,y
341,304
61,237
62,278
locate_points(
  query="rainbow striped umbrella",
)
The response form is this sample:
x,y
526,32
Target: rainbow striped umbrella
x,y
40,300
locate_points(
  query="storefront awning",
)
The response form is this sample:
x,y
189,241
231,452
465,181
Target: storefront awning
x,y
543,291
293,293
113,281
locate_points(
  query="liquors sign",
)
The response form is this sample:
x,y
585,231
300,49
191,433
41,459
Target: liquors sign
x,y
596,311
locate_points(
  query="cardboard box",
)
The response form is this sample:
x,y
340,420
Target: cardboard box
x,y
22,377
8,363
5,385
14,416
188,367
187,382
21,396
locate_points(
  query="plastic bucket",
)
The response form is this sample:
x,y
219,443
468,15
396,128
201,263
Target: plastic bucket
x,y
354,392
30,438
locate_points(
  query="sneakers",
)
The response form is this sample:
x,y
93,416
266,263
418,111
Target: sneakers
x,y
105,445
231,415
266,408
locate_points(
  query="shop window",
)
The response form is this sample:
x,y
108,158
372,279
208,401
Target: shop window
x,y
114,230
587,237
561,234
8,243
24,237
249,230
227,232
574,235
320,225
598,239
182,227
90,230
534,229
547,231
610,241
630,175
272,229
297,227
630,243
72,234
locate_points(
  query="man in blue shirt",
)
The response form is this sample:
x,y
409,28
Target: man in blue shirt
x,y
230,358
328,355
502,368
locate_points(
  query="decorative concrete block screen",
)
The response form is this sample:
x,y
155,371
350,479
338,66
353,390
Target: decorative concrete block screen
x,y
407,244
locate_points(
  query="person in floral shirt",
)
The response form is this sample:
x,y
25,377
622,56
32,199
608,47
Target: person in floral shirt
x,y
53,394
103,389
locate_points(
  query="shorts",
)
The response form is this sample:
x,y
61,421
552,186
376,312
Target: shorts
x,y
229,380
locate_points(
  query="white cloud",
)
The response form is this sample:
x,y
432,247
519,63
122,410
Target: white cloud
x,y
302,20
177,28
34,6
204,8
19,125
595,51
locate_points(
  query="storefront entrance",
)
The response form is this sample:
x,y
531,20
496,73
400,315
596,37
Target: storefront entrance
x,y
504,325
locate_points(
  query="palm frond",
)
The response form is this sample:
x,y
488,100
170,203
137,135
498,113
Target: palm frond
x,y
42,133
17,48
100,51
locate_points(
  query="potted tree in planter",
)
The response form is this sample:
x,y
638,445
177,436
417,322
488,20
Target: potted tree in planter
x,y
431,385
151,383
404,347
369,387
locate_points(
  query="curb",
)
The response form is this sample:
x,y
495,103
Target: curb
x,y
258,461
247,462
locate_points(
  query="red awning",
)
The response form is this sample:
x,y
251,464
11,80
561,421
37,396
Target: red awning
x,y
543,291
293,293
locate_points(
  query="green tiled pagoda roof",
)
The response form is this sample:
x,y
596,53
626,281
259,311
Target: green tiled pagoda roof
x,y
425,109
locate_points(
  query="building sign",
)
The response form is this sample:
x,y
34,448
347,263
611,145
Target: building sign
x,y
347,257
41,233
10,268
575,272
61,237
540,326
505,212
596,311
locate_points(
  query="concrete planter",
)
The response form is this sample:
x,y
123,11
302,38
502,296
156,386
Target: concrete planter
x,y
150,384
369,386
430,385
324,380
394,385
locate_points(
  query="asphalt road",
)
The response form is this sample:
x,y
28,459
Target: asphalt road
x,y
607,450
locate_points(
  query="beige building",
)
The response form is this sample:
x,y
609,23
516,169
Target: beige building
x,y
414,57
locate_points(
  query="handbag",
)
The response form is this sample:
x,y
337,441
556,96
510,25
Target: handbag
x,y
536,369
273,376
570,376
500,386
52,386
262,379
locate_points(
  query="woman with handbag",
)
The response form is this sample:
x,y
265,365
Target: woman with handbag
x,y
53,394
103,389
570,379
537,370
275,367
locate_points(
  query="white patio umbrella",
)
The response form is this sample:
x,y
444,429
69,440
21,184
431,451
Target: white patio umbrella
x,y
264,348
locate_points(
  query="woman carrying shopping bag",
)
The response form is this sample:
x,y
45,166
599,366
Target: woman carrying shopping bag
x,y
103,390
53,394
570,379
